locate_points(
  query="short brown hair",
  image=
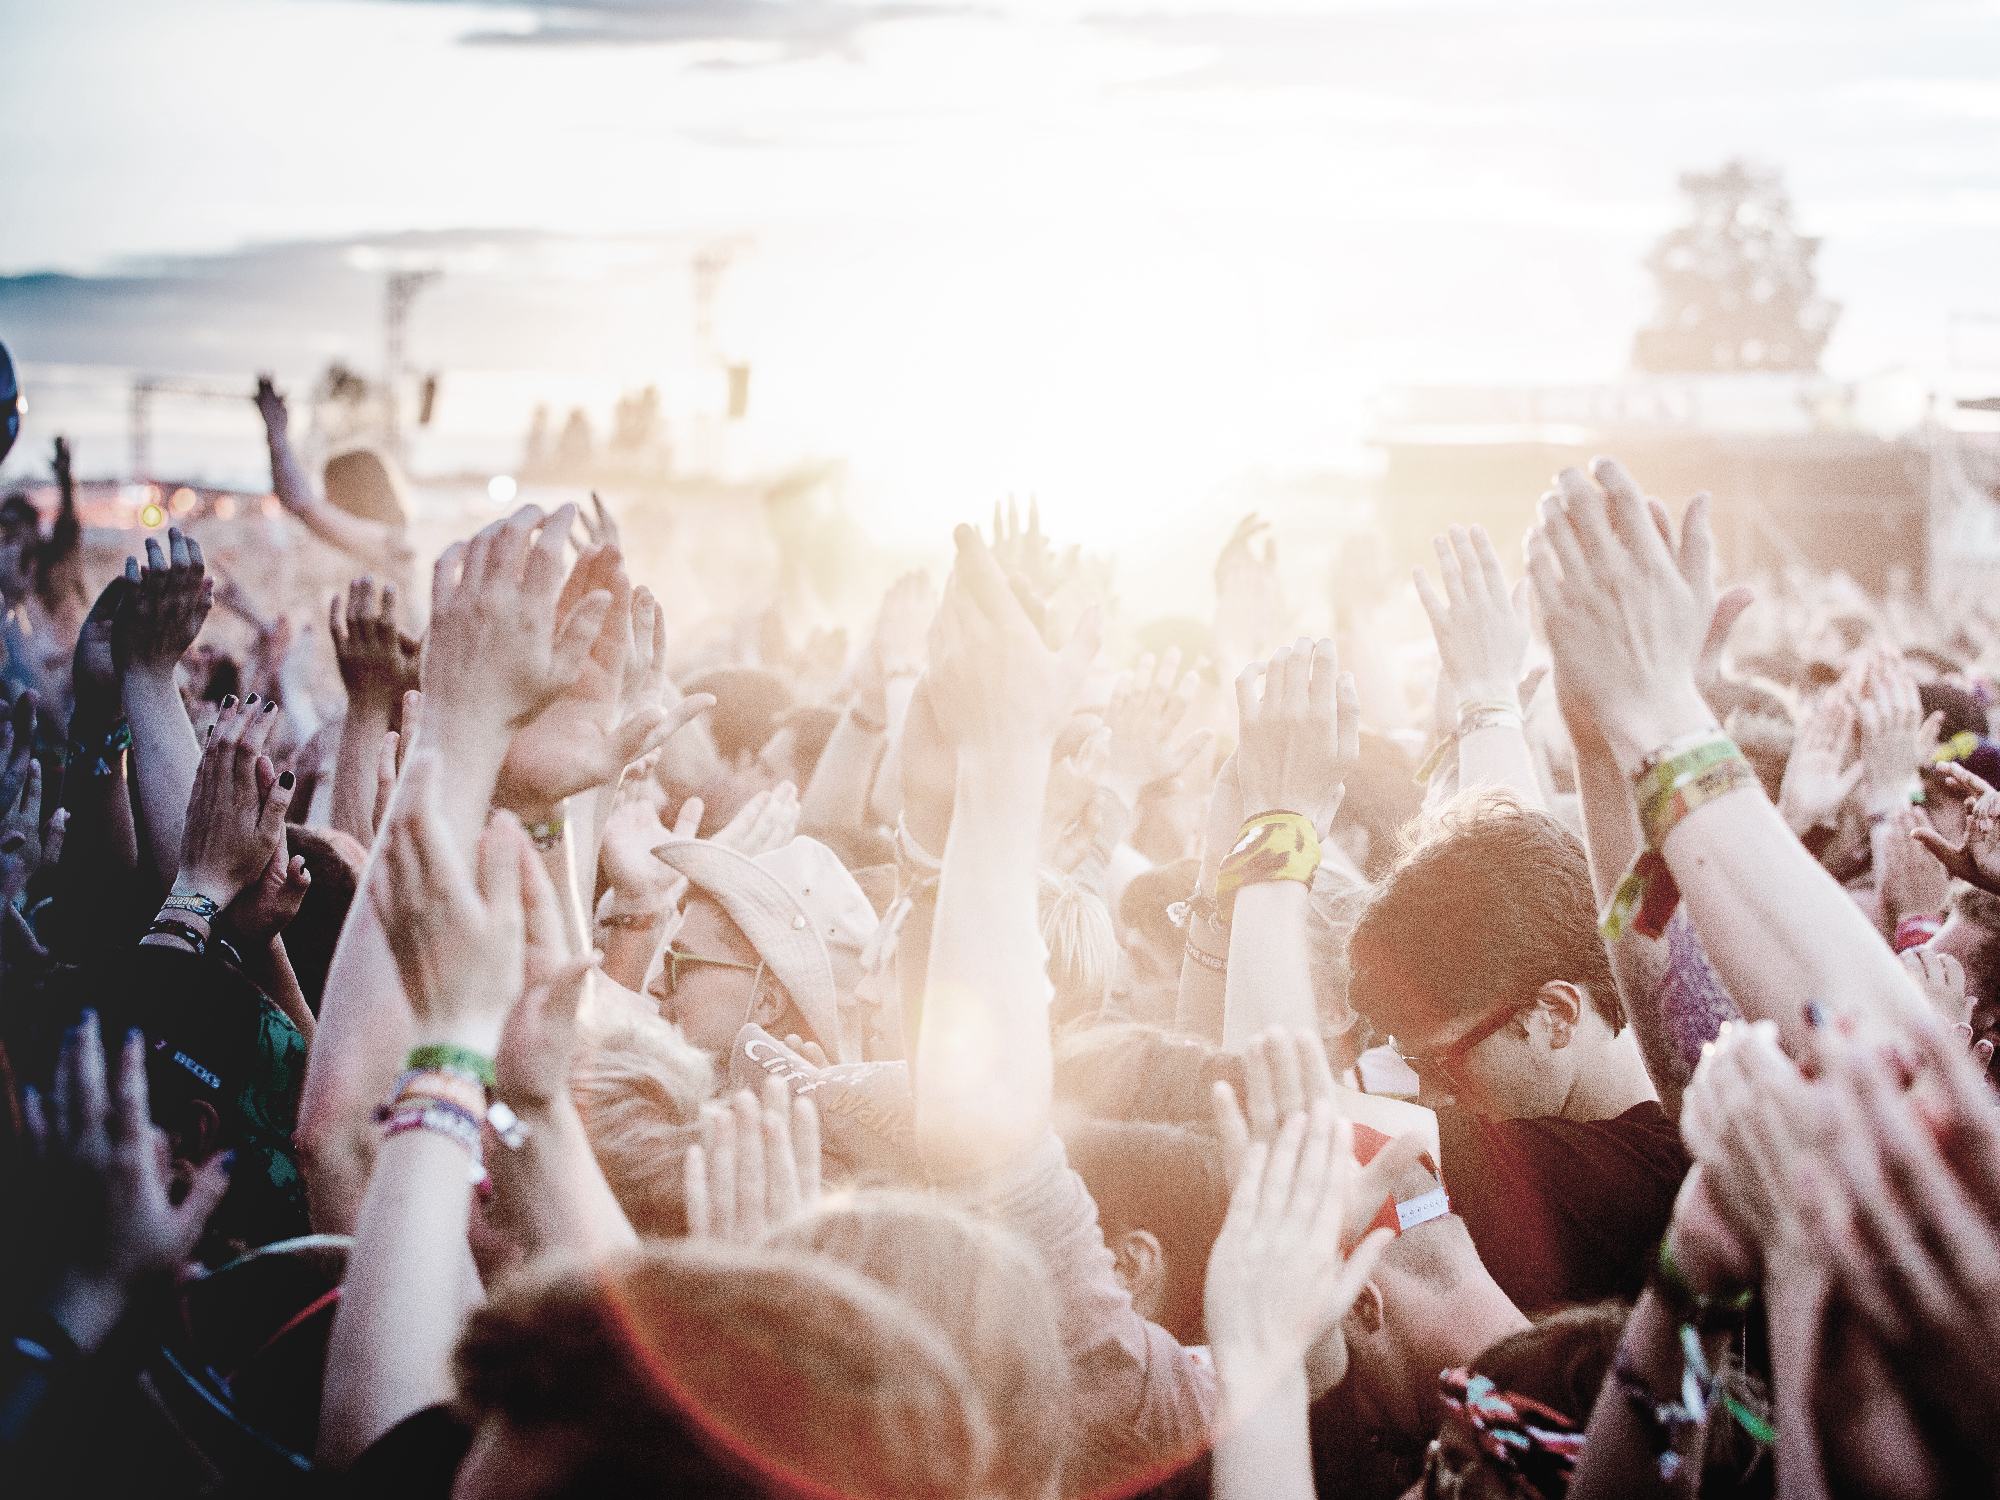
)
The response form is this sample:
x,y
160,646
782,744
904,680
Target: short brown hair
x,y
1491,901
685,1370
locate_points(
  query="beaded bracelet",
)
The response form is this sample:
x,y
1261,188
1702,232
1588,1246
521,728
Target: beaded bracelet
x,y
1272,846
448,1120
450,1087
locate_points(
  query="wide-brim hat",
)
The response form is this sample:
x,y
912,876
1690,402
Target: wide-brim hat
x,y
770,898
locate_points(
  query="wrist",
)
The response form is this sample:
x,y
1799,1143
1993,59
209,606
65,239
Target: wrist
x,y
86,1306
478,1034
1641,731
206,884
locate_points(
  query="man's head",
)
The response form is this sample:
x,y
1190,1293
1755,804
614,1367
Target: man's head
x,y
757,942
1430,1305
1480,954
639,1086
1161,1198
699,1370
792,752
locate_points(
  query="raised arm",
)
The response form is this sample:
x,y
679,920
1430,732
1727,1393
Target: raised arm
x,y
166,602
1301,737
378,546
378,664
835,802
1482,637
1627,615
100,848
1000,696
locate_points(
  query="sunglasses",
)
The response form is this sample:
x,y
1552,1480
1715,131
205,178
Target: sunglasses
x,y
1444,1064
676,959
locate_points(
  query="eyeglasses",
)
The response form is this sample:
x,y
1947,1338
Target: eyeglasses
x,y
1444,1064
676,958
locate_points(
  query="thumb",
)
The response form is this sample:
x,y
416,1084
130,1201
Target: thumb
x,y
1954,857
687,823
647,729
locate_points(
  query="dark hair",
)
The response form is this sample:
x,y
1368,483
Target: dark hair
x,y
1129,1071
748,704
1166,1179
334,860
1562,1360
1142,905
700,1371
1962,713
1492,901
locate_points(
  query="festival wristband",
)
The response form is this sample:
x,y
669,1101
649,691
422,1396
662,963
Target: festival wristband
x,y
192,902
1700,769
1489,713
450,1057
447,1086
547,837
1272,846
1207,960
98,758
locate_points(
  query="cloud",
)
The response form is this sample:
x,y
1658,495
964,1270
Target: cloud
x,y
767,30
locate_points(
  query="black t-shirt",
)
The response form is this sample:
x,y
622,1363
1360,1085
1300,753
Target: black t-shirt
x,y
1564,1211
417,1459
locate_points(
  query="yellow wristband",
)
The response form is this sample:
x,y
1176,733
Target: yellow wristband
x,y
1272,846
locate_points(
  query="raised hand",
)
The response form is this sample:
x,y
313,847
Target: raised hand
x,y
271,406
994,684
166,603
599,525
1627,612
1820,775
769,820
1073,783
1302,737
1277,1278
93,666
17,748
1975,858
757,1166
268,904
1146,707
532,1066
1892,725
1481,627
110,1210
21,822
458,939
1249,603
1910,881
897,647
236,818
1729,609
377,660
589,731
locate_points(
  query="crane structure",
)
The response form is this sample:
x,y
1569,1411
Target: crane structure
x,y
396,299
144,389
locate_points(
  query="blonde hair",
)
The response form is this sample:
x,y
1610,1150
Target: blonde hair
x,y
989,1293
736,1372
1082,944
639,1085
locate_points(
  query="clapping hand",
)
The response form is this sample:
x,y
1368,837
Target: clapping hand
x,y
1627,612
93,666
1820,776
165,606
377,660
1482,629
1146,707
531,1067
757,1166
458,937
1941,978
1302,737
1892,725
236,817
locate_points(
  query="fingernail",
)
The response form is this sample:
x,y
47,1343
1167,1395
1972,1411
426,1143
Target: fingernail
x,y
229,1163
228,700
1815,1014
285,780
270,705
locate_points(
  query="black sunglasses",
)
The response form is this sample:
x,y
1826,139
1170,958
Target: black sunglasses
x,y
1444,1063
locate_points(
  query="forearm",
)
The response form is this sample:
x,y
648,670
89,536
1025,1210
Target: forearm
x,y
835,800
355,764
1264,1452
1776,926
555,1194
404,1298
1619,1457
984,1071
1498,756
1795,1296
1270,969
165,757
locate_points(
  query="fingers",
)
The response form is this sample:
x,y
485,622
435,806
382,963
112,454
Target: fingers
x,y
805,1144
1247,702
577,636
205,1194
1231,1127
694,1188
752,1187
781,1164
88,1096
687,822
982,581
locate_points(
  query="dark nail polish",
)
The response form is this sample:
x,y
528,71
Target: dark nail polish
x,y
270,705
250,701
285,780
229,1163
1815,1014
228,700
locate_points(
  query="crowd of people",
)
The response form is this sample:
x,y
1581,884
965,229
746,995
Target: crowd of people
x,y
996,1063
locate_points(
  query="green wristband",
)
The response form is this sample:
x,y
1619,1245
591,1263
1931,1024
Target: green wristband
x,y
447,1055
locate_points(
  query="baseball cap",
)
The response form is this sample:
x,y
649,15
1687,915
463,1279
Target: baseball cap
x,y
801,911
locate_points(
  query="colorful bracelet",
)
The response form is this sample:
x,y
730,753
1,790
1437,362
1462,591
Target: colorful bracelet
x,y
454,1124
192,901
448,1086
1272,846
547,837
1672,782
448,1057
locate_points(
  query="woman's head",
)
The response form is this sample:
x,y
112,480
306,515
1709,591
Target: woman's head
x,y
701,1371
639,1086
991,1296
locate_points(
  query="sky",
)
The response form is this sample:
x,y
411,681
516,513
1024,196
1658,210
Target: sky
x,y
1139,257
